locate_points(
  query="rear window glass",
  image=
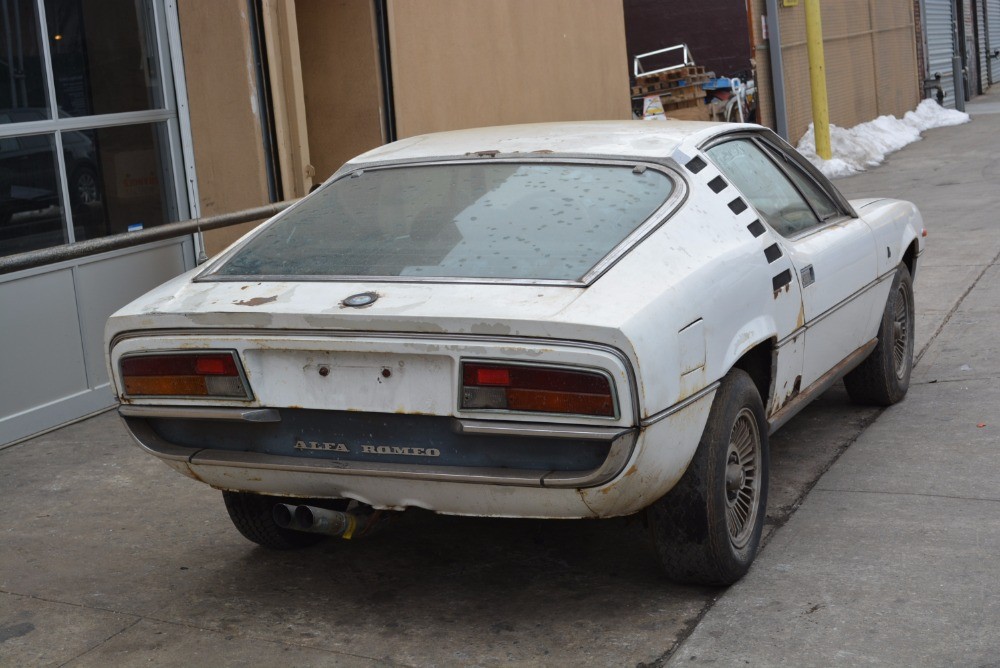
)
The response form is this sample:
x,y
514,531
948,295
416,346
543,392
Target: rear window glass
x,y
500,220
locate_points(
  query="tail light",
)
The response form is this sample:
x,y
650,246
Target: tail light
x,y
203,374
536,389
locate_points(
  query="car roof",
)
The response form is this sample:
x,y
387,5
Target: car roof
x,y
630,139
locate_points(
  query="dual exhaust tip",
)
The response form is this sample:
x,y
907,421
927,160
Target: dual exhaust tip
x,y
316,520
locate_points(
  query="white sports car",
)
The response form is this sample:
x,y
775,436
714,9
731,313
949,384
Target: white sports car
x,y
549,321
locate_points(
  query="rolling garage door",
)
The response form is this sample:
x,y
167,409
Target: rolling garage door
x,y
982,46
939,34
993,37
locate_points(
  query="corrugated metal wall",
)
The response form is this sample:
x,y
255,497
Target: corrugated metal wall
x,y
993,25
871,62
939,28
981,45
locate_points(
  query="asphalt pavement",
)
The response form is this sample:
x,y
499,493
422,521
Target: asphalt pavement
x,y
893,558
882,526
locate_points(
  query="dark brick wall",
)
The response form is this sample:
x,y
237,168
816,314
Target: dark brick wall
x,y
716,31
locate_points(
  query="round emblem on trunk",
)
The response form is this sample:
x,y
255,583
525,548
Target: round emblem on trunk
x,y
360,299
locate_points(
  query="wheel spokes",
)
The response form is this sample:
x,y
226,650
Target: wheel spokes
x,y
901,332
742,482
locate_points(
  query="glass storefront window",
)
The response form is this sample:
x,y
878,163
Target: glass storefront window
x,y
62,179
118,179
22,82
31,213
104,58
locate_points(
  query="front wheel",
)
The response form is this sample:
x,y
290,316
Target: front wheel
x,y
707,528
883,378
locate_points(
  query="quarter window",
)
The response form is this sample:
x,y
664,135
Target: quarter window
x,y
819,200
765,185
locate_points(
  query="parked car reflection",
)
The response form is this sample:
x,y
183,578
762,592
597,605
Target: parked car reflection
x,y
31,210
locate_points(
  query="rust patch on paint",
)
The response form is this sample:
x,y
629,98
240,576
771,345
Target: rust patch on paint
x,y
257,301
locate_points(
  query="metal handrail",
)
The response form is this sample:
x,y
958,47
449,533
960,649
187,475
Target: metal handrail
x,y
43,256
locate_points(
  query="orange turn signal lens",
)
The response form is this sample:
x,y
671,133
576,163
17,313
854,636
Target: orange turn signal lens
x,y
206,374
536,389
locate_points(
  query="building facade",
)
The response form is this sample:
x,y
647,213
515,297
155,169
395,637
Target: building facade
x,y
125,114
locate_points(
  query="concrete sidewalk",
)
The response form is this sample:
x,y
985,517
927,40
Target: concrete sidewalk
x,y
894,556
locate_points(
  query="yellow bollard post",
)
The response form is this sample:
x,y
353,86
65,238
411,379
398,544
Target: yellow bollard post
x,y
817,79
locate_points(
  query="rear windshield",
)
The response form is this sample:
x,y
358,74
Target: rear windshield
x,y
500,220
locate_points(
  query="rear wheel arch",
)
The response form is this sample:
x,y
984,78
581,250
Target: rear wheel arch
x,y
758,363
910,258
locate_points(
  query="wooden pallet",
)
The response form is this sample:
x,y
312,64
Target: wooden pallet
x,y
680,104
679,94
655,83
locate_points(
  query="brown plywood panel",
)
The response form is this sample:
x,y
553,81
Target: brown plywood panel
x,y
762,59
221,85
871,62
459,64
340,74
897,60
287,99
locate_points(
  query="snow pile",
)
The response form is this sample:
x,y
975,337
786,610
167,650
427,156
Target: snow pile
x,y
868,144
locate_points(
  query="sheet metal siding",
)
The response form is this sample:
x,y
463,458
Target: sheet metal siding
x,y
982,69
939,33
993,34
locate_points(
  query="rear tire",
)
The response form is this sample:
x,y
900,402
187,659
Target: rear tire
x,y
707,528
884,377
252,514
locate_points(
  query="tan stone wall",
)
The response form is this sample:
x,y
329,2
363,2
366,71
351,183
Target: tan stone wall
x,y
459,64
871,62
221,85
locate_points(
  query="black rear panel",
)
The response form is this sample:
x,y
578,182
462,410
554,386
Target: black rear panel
x,y
383,437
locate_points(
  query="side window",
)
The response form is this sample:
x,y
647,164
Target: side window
x,y
821,203
766,186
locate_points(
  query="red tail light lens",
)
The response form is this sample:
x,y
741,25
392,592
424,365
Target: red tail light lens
x,y
211,374
536,389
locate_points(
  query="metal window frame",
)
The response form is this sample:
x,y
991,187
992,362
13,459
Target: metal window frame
x,y
176,127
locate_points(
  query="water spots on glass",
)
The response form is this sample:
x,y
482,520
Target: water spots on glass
x,y
501,220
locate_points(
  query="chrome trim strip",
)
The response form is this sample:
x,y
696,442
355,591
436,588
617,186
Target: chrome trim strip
x,y
191,413
878,281
149,440
697,396
253,460
489,428
827,313
618,456
319,334
458,280
823,383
